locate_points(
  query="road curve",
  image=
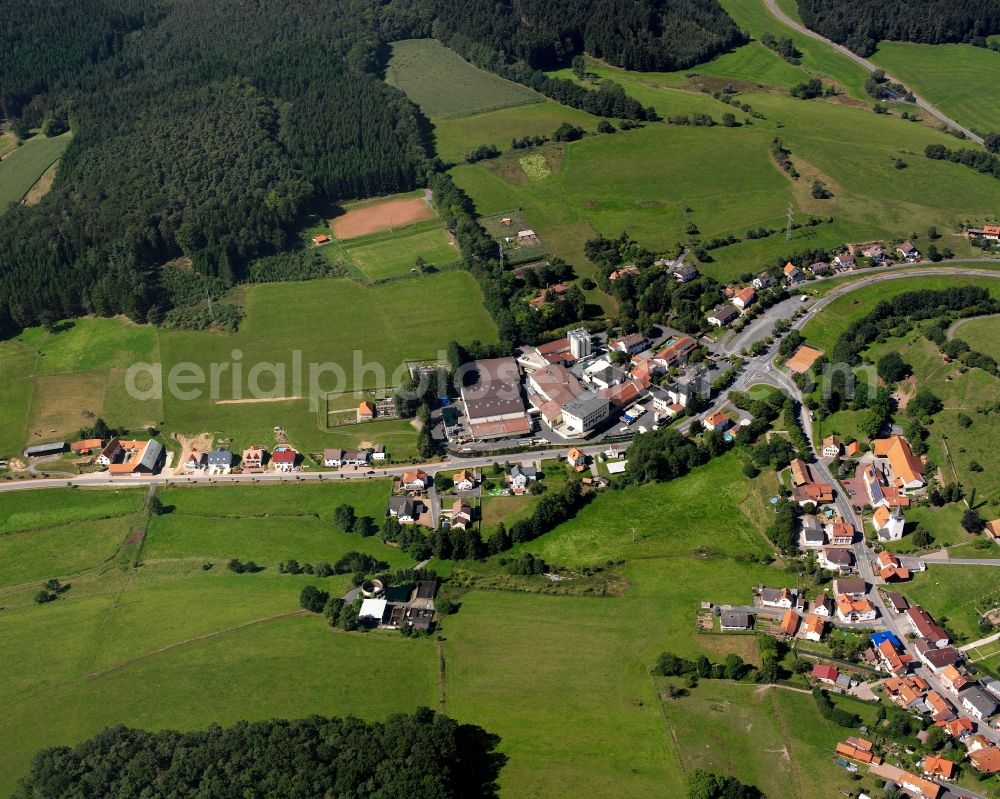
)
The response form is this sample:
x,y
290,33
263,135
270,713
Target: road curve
x,y
784,19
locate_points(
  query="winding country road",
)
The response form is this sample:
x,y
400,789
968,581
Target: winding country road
x,y
784,19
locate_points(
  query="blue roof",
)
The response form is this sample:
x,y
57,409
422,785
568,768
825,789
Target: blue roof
x,y
885,635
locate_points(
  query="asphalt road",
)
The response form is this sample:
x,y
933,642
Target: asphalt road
x,y
782,17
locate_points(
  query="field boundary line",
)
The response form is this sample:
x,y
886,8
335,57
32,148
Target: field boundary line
x,y
442,676
95,675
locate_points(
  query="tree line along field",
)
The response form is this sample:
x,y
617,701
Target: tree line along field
x,y
444,84
583,713
54,383
23,166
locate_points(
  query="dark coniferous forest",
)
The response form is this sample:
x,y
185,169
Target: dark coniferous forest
x,y
422,755
861,24
204,130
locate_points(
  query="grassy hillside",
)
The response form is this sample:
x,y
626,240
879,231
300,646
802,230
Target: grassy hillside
x,y
444,84
23,166
954,77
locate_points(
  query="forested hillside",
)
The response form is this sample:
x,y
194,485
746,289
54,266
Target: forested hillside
x,y
861,24
204,130
425,754
635,34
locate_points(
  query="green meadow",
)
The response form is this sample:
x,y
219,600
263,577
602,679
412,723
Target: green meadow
x,y
823,329
228,646
982,334
24,165
444,84
330,322
655,182
583,713
818,58
954,77
956,594
54,383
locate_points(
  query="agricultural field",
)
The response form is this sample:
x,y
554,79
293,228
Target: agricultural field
x,y
336,322
951,76
444,84
23,166
225,643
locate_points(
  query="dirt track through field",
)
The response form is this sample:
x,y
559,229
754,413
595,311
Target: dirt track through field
x,y
381,216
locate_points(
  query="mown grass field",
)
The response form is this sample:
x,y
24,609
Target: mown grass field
x,y
335,322
396,255
951,76
444,84
23,166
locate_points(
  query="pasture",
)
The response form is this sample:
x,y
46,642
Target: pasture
x,y
23,166
456,136
230,646
951,76
372,216
674,520
444,84
607,184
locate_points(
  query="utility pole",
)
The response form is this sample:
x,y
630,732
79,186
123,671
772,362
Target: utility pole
x,y
788,227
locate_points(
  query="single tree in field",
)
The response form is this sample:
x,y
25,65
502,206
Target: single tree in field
x,y
344,517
